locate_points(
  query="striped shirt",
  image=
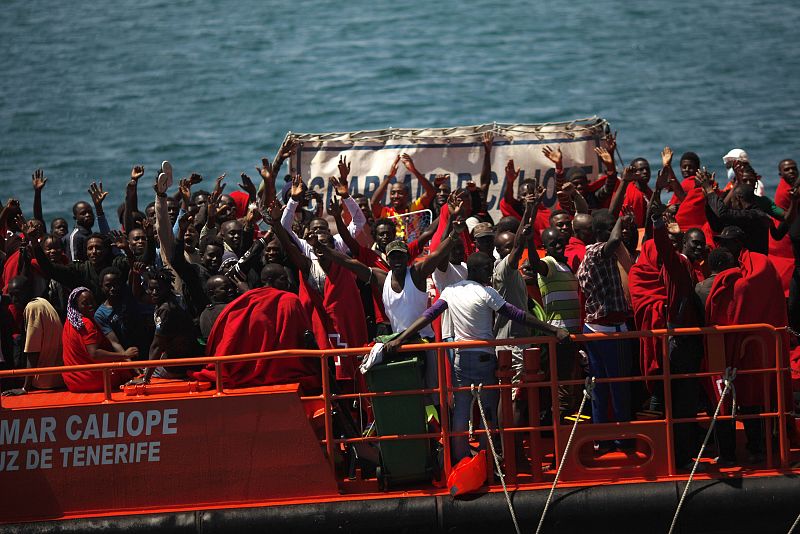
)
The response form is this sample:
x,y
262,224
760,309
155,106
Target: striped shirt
x,y
559,289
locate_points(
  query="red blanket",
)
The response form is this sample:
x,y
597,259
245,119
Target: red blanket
x,y
648,296
540,222
262,320
337,317
692,211
780,252
11,268
575,251
751,294
635,200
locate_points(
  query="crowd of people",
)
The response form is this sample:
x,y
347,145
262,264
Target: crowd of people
x,y
196,272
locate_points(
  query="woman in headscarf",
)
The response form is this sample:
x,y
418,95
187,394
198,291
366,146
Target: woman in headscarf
x,y
84,343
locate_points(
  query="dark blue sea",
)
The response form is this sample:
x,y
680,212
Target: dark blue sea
x,y
89,88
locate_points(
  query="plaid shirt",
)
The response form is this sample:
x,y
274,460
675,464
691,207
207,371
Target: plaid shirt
x,y
601,284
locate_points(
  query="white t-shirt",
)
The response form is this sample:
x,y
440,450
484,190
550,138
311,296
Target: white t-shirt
x,y
453,275
472,308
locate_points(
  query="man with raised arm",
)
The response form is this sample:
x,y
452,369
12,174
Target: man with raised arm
x,y
340,184
400,194
472,304
84,221
607,309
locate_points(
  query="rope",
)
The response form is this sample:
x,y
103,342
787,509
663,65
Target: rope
x,y
587,394
794,526
728,377
476,395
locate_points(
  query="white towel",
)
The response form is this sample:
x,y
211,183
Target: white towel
x,y
375,356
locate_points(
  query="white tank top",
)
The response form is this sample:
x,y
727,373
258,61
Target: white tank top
x,y
406,307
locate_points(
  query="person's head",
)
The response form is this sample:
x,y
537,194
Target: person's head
x,y
137,240
630,234
274,275
721,259
577,177
59,227
694,244
273,253
231,232
554,243
385,232
158,284
111,283
602,223
442,192
561,221
150,213
689,164
749,177
483,234
787,170
504,243
226,208
318,225
527,187
458,252
397,255
641,170
399,196
478,200
53,248
479,268
366,209
220,289
744,195
98,249
582,228
20,291
173,207
199,198
732,239
212,255
83,214
507,224
84,303
528,274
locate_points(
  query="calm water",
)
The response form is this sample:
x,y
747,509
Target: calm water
x,y
89,89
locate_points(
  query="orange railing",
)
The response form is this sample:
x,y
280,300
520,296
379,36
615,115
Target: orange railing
x,y
778,372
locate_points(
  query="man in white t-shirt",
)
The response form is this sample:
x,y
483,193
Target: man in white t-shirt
x,y
472,306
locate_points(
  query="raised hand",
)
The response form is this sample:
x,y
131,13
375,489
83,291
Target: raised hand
x,y
248,186
606,157
185,189
705,180
38,178
512,173
265,170
344,169
539,195
554,155
137,172
439,179
97,193
738,170
666,156
662,179
120,240
218,185
459,226
393,168
275,212
340,186
628,174
488,140
252,217
455,205
195,179
298,188
409,163
183,223
334,207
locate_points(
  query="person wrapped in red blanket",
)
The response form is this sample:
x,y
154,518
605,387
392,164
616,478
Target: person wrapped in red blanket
x,y
780,251
262,320
749,294
648,301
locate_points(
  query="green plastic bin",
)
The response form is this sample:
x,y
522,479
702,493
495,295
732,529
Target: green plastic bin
x,y
402,461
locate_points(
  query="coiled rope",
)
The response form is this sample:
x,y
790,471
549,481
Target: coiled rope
x,y
728,377
588,390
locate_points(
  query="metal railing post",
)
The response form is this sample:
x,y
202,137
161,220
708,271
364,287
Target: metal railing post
x,y
555,405
326,398
444,410
106,386
783,444
505,373
671,467
531,361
